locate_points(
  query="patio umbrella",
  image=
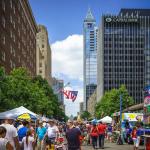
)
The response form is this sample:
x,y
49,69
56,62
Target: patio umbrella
x,y
26,116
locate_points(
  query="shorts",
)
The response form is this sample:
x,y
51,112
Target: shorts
x,y
109,134
50,140
136,141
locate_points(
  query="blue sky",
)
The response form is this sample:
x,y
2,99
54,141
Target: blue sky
x,y
65,17
64,22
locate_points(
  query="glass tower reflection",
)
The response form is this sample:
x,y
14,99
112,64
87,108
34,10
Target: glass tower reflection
x,y
90,56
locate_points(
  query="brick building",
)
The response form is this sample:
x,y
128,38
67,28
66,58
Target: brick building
x,y
18,35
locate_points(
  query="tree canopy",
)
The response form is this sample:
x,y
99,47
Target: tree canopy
x,y
110,102
85,115
20,89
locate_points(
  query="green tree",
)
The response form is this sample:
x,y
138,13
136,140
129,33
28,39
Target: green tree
x,y
110,102
19,89
85,115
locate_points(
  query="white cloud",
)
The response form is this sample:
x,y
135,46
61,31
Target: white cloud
x,y
67,57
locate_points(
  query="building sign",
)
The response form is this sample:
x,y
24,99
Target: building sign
x,y
132,116
121,19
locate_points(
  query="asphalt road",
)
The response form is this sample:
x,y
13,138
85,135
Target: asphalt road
x,y
113,146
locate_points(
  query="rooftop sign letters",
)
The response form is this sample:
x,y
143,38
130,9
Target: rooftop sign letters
x,y
108,19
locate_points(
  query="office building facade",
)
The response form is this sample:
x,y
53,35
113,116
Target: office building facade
x,y
57,86
17,36
43,54
90,56
124,52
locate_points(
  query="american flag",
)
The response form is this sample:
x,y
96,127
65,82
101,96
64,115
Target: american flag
x,y
72,95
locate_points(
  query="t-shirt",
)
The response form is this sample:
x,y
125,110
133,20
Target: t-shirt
x,y
41,132
138,133
72,136
22,132
3,143
11,133
101,129
30,141
109,129
51,131
134,133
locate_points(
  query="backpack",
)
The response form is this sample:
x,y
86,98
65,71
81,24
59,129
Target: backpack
x,y
94,132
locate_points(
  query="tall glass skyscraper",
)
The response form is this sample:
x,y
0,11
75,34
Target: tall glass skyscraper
x,y
90,56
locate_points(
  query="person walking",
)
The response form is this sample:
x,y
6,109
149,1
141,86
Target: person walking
x,y
101,132
94,135
4,143
11,134
134,138
109,133
41,132
72,136
52,133
28,141
23,130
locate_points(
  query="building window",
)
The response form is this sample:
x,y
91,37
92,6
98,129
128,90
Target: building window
x,y
18,5
18,20
19,59
18,32
11,64
14,53
3,56
14,24
3,5
11,50
14,66
14,9
11,34
19,45
40,64
10,18
14,38
3,21
10,3
3,39
42,45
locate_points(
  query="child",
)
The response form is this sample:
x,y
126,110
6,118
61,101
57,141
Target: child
x,y
134,137
4,144
28,141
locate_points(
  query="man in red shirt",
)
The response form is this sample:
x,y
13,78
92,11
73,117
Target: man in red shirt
x,y
101,132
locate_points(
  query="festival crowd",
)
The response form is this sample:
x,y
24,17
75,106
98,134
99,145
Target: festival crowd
x,y
54,135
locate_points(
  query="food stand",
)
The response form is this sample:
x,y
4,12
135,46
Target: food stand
x,y
146,117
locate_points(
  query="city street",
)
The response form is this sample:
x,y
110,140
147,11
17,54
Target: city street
x,y
113,146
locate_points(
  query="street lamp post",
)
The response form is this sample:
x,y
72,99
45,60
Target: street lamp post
x,y
120,110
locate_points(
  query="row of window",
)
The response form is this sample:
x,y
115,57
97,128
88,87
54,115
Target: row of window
x,y
122,57
121,69
124,52
127,64
123,39
124,45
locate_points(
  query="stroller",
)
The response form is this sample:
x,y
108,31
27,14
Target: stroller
x,y
60,144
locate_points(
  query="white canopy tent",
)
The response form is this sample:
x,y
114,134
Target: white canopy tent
x,y
14,113
106,119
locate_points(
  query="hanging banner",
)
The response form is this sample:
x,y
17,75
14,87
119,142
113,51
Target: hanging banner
x,y
72,95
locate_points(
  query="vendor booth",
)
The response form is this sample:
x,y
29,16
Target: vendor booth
x,y
106,119
20,113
